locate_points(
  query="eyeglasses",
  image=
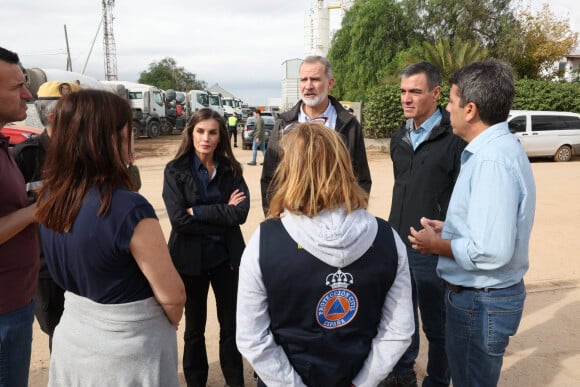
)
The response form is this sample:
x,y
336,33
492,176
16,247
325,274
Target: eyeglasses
x,y
292,125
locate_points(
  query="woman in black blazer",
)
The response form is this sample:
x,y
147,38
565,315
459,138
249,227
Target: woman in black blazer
x,y
207,200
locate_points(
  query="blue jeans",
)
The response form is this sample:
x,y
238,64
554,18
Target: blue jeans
x,y
429,297
16,346
479,326
255,146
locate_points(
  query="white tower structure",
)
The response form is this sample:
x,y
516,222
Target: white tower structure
x,y
317,30
317,25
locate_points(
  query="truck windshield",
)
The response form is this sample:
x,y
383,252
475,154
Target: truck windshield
x,y
158,98
214,100
202,99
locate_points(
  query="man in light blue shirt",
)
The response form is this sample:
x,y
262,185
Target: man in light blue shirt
x,y
419,135
483,244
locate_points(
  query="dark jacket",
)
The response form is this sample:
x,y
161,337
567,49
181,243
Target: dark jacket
x,y
188,232
424,178
346,124
29,156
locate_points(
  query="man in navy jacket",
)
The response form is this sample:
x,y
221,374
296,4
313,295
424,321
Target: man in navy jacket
x,y
426,161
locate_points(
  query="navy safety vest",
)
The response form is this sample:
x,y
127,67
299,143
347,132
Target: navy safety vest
x,y
323,317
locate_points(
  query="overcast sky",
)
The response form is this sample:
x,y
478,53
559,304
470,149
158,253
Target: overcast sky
x,y
239,44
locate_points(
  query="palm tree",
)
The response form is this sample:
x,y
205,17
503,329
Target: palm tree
x,y
450,54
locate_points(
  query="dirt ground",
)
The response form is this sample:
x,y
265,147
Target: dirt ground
x,y
546,349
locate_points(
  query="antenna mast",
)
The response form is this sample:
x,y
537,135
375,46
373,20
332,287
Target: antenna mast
x,y
68,60
109,41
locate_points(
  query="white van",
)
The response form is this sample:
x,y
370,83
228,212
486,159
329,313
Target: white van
x,y
546,133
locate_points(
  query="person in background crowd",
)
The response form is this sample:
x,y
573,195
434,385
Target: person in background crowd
x,y
316,105
426,161
18,237
30,155
104,246
207,200
233,128
483,244
324,296
258,137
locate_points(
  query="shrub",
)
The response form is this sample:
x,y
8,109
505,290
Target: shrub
x,y
382,113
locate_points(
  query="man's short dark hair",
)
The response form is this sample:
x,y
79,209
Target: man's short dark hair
x,y
258,111
489,84
429,69
8,56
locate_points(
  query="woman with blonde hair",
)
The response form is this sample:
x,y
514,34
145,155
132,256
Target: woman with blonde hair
x,y
324,297
104,246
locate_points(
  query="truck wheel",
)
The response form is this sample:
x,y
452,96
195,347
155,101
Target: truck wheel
x,y
166,129
136,129
153,129
564,153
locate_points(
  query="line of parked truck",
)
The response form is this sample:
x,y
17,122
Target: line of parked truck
x,y
155,111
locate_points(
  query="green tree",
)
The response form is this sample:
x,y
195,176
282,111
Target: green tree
x,y
488,22
371,35
165,74
543,40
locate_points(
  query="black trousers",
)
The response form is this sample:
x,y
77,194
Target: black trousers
x,y
224,282
48,306
233,132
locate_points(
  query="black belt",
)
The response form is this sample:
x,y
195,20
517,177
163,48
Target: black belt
x,y
459,288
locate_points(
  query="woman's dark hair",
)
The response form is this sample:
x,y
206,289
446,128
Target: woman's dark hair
x,y
90,146
223,150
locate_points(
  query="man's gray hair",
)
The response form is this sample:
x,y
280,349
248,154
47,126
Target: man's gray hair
x,y
319,59
44,107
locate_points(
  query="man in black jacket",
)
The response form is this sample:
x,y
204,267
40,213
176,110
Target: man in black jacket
x,y
426,161
316,105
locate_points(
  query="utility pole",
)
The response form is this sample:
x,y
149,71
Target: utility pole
x,y
68,60
109,41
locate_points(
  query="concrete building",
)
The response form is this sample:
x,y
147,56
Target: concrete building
x,y
570,64
290,83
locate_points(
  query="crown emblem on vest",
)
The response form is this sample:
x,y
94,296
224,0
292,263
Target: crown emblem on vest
x,y
339,279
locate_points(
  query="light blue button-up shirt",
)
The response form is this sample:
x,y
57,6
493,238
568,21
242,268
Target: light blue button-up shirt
x,y
418,135
490,214
330,115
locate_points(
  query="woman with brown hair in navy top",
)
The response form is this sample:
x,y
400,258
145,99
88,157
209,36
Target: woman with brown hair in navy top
x,y
104,246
